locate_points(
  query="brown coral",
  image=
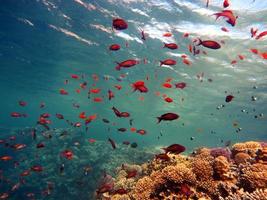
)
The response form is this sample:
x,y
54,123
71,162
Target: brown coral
x,y
242,158
221,167
254,176
250,148
202,169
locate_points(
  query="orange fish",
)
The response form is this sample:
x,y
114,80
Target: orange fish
x,y
231,19
97,99
186,61
25,173
167,85
19,146
5,158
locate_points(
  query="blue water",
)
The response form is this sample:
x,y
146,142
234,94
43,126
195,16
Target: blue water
x,y
42,43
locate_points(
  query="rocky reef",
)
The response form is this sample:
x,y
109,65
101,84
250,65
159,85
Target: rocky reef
x,y
236,173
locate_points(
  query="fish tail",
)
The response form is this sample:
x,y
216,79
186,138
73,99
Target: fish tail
x,y
199,42
164,45
118,67
159,119
161,63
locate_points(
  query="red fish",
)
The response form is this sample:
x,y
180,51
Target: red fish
x,y
126,64
168,100
241,57
180,85
253,32
95,90
25,173
77,124
22,103
5,158
91,140
231,19
224,29
119,24
255,51
4,195
114,47
98,99
167,85
74,76
168,62
186,61
168,117
168,34
68,154
190,48
225,3
40,145
140,86
170,46
37,168
120,114
262,34
82,115
209,44
264,55
63,92
126,142
233,62
174,148
118,87
16,114
112,143
186,35
131,174
229,98
59,116
162,156
141,131
19,146
110,95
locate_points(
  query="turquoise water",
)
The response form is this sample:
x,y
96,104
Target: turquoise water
x,y
42,43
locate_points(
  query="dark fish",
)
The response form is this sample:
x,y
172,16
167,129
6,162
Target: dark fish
x,y
168,117
174,148
119,24
126,142
134,145
180,85
122,129
229,98
40,145
131,122
105,120
112,143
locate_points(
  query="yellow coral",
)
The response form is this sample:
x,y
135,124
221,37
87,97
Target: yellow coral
x,y
250,147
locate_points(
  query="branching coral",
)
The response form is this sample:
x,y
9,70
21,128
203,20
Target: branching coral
x,y
236,174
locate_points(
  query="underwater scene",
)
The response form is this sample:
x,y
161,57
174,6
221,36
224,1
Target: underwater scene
x,y
133,99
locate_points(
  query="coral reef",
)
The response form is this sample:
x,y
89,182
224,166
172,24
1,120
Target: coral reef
x,y
237,173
